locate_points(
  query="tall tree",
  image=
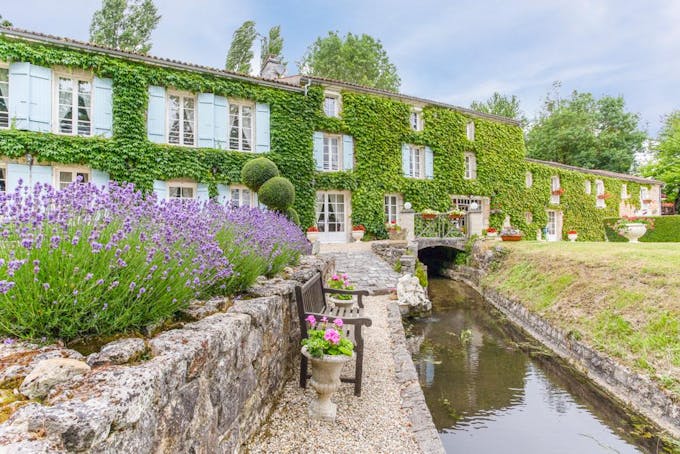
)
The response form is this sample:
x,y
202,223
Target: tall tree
x,y
125,25
666,164
503,105
272,45
356,59
586,132
5,22
241,50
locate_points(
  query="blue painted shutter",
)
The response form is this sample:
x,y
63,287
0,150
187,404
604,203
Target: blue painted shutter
x,y
223,194
262,128
19,94
406,160
40,109
347,153
206,118
429,163
318,150
161,189
202,192
100,178
221,122
29,175
102,116
155,120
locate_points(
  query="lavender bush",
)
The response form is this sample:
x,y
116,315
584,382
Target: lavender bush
x,y
86,260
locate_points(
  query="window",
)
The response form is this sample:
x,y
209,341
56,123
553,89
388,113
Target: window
x,y
3,179
645,198
74,94
470,130
529,217
181,111
529,179
624,191
66,176
392,203
240,126
416,120
181,190
241,196
4,98
555,190
589,187
331,104
416,162
599,189
331,153
470,166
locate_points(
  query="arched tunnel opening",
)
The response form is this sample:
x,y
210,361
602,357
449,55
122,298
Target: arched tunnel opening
x,y
437,258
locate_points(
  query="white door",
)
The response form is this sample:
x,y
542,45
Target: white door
x,y
554,233
331,218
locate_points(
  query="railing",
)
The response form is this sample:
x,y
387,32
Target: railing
x,y
438,226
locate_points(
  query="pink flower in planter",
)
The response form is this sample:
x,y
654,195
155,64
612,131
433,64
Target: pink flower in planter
x,y
338,322
332,336
335,277
311,320
324,319
345,277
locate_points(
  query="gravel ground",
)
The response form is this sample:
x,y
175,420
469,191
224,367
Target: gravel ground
x,y
372,423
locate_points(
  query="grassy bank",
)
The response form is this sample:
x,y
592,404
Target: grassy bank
x,y
623,299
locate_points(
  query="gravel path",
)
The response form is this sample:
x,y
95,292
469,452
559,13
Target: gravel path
x,y
372,423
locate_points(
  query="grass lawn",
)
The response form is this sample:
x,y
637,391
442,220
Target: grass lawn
x,y
621,298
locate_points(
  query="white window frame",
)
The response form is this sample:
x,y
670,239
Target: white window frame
x,y
470,159
554,186
5,66
624,191
181,183
588,187
644,195
241,103
529,217
327,164
470,131
416,157
182,95
338,99
74,75
74,170
252,202
600,190
391,209
529,179
419,124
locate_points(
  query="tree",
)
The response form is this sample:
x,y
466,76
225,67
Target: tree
x,y
503,105
272,45
241,49
357,59
586,132
125,25
5,22
666,164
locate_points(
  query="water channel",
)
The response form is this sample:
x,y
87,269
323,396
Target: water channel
x,y
488,395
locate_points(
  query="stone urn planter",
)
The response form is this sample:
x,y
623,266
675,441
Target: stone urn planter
x,y
357,235
325,381
312,236
341,303
572,236
634,231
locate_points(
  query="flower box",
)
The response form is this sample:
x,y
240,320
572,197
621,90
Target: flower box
x,y
511,237
559,191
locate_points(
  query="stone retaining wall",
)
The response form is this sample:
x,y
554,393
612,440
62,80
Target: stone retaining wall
x,y
388,250
632,389
205,388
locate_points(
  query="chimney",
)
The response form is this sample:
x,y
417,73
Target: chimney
x,y
273,68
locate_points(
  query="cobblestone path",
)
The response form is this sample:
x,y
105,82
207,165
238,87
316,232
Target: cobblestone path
x,y
365,269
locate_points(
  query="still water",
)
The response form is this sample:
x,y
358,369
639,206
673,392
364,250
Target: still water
x,y
488,396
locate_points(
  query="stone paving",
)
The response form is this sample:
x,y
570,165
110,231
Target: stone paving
x,y
365,269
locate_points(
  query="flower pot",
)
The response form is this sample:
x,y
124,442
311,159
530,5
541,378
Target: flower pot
x,y
455,217
357,235
572,236
492,235
633,231
341,303
428,217
312,236
325,381
511,237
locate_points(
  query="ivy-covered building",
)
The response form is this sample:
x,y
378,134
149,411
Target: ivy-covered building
x,y
72,110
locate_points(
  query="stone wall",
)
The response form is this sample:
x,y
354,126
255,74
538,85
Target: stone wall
x,y
389,251
205,387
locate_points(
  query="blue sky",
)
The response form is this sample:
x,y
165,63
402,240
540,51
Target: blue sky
x,y
450,51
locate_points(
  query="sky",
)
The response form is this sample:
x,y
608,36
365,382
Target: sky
x,y
450,51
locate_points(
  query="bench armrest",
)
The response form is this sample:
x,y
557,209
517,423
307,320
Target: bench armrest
x,y
363,321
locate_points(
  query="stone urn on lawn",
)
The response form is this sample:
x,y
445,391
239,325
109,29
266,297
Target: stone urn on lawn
x,y
633,231
313,234
572,235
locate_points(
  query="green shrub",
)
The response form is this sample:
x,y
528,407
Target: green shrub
x,y
666,230
258,171
421,274
293,216
277,193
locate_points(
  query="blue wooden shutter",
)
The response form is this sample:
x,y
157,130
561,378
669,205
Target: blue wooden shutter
x,y
406,160
155,120
223,194
262,128
318,150
161,189
429,163
206,118
19,94
100,178
221,122
29,175
102,116
347,153
40,110
202,192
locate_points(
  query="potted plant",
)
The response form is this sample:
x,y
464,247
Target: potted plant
x,y
340,282
646,201
358,232
491,232
455,214
633,227
558,191
511,234
328,350
572,235
604,196
313,233
394,231
429,214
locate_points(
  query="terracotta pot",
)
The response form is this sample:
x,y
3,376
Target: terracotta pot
x,y
633,231
357,235
429,217
511,237
325,381
453,217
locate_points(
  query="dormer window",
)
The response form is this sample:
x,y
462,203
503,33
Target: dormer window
x,y
470,131
416,119
331,104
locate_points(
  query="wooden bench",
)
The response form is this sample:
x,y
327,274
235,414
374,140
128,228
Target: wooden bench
x,y
312,300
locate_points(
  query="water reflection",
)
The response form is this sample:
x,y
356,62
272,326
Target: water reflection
x,y
487,396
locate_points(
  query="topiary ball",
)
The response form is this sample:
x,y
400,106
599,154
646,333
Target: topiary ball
x,y
257,171
293,216
277,193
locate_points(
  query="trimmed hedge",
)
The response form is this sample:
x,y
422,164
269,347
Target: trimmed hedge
x,y
277,193
257,172
666,230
